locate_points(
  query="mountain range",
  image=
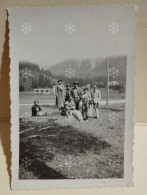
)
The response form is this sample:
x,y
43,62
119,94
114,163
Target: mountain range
x,y
88,68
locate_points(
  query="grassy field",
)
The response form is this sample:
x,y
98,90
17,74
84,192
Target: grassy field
x,y
61,148
28,97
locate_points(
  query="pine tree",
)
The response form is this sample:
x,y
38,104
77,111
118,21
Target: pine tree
x,y
46,82
34,83
41,82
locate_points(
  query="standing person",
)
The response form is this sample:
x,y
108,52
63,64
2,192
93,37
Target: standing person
x,y
68,93
86,97
76,94
96,97
60,94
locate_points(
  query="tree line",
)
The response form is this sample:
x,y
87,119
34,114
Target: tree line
x,y
31,77
40,78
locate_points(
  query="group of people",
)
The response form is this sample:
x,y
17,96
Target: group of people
x,y
68,101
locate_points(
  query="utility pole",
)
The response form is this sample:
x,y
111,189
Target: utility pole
x,y
107,68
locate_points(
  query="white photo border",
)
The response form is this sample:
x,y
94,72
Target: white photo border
x,y
17,183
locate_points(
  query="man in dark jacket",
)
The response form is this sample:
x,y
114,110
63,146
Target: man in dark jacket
x,y
76,94
68,93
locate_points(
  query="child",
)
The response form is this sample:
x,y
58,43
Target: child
x,y
36,110
86,97
96,97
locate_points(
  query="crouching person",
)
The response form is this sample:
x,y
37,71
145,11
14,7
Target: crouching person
x,y
69,110
65,111
36,109
76,113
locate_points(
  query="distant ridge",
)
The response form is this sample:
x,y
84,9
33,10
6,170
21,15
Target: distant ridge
x,y
89,67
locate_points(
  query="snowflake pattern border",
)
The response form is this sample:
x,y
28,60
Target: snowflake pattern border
x,y
26,73
69,73
114,72
26,162
113,28
113,117
26,28
70,28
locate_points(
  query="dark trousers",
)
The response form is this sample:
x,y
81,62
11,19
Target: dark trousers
x,y
85,111
77,103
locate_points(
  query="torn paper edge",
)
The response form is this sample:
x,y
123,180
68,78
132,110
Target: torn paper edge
x,y
77,183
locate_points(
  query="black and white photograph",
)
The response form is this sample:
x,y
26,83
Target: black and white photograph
x,y
72,119
72,74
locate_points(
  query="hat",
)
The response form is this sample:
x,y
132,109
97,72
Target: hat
x,y
68,85
86,88
76,82
66,103
59,80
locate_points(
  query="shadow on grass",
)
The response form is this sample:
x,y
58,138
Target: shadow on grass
x,y
41,170
50,106
53,140
37,156
114,108
65,139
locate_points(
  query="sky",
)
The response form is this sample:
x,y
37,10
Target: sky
x,y
48,43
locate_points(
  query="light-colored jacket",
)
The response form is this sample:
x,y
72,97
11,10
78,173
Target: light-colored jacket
x,y
96,96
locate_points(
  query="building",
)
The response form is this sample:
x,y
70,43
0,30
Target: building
x,y
113,83
40,91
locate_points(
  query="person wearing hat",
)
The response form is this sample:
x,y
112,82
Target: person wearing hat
x,y
76,94
86,97
60,94
68,92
